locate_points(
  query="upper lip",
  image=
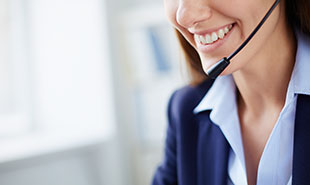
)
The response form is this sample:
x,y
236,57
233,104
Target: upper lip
x,y
204,32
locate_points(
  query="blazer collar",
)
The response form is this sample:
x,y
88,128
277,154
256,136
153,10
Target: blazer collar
x,y
212,151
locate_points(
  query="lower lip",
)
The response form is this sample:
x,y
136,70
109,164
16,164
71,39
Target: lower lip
x,y
208,48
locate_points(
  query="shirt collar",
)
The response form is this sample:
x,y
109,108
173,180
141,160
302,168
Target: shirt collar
x,y
221,98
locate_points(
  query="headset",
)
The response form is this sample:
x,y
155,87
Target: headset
x,y
215,70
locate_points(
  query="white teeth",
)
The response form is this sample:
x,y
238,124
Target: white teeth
x,y
202,39
214,36
226,30
208,39
221,33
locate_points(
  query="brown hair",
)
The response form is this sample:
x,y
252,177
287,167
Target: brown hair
x,y
297,13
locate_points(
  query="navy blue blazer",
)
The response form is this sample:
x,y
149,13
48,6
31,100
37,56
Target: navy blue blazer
x,y
196,151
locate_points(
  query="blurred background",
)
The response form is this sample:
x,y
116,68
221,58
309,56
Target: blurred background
x,y
84,87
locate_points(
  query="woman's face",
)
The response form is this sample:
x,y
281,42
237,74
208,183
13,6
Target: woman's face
x,y
215,28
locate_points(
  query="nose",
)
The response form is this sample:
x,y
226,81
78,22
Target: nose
x,y
191,12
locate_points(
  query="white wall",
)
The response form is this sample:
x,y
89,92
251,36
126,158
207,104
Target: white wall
x,y
72,139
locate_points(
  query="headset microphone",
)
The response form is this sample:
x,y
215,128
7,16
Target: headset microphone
x,y
220,66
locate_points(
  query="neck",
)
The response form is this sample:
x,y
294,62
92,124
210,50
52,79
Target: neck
x,y
262,84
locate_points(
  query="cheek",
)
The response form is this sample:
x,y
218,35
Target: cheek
x,y
246,13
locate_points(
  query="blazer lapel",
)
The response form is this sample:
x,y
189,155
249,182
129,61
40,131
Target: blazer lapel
x,y
301,152
212,151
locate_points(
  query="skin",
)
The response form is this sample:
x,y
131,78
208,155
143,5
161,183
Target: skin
x,y
261,71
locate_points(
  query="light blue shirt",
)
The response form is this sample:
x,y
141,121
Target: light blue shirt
x,y
275,165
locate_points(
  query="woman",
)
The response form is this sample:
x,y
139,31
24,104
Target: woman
x,y
252,124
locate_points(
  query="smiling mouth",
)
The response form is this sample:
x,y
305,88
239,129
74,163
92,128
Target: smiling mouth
x,y
212,37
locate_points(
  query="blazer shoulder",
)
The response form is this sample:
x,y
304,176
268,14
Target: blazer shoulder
x,y
185,99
